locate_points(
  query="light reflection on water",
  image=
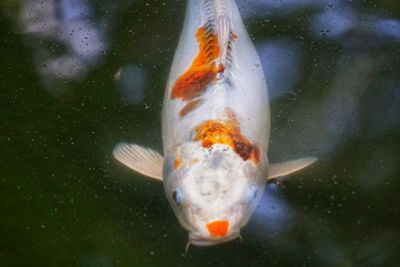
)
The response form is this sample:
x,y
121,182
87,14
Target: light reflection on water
x,y
67,43
332,69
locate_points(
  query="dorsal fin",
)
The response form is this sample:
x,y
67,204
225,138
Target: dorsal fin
x,y
223,21
216,16
224,38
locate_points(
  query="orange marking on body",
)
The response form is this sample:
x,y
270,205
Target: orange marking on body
x,y
214,132
178,160
231,116
189,107
203,70
194,161
177,164
221,68
218,228
234,36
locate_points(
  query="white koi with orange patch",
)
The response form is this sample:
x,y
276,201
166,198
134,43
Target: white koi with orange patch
x,y
215,124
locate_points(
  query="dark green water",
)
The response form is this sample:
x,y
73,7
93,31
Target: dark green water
x,y
77,77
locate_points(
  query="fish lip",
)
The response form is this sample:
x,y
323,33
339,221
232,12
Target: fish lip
x,y
197,240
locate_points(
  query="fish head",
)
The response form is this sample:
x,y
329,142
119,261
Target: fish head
x,y
212,191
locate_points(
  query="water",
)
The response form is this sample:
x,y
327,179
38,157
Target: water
x,y
77,77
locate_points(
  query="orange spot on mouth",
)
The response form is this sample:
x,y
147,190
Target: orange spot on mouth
x,y
218,228
214,132
203,70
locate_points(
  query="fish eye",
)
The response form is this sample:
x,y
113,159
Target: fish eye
x,y
177,196
251,194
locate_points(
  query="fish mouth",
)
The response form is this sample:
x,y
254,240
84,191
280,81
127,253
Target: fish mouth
x,y
197,240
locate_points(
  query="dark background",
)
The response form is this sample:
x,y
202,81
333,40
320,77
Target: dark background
x,y
77,77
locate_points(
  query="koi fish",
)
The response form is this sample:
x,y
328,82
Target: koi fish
x,y
215,127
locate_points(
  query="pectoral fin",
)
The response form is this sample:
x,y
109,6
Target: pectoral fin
x,y
142,160
288,167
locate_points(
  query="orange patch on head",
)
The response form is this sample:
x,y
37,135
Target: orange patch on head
x,y
189,107
218,228
203,70
214,132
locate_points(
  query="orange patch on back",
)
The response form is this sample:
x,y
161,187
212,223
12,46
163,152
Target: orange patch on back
x,y
203,70
189,107
214,132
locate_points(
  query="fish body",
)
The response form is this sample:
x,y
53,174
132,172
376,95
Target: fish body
x,y
215,126
215,122
240,86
